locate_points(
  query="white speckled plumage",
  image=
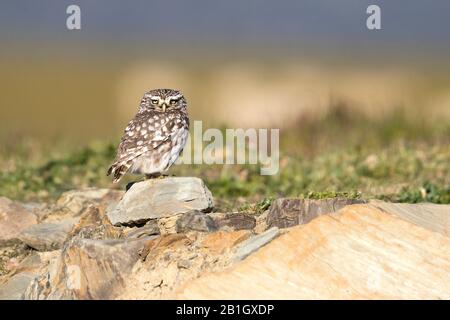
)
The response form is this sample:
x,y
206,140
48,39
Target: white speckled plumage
x,y
155,137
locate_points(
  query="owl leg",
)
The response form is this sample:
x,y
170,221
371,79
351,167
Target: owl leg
x,y
129,185
153,176
146,177
161,176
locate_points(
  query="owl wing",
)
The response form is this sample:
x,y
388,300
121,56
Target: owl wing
x,y
138,140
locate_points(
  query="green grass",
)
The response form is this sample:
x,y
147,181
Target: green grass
x,y
400,172
392,159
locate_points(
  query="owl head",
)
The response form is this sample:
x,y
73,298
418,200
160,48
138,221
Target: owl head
x,y
163,100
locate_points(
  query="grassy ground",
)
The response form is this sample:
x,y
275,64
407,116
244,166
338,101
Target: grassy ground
x,y
342,154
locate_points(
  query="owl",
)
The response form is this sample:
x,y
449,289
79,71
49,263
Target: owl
x,y
155,137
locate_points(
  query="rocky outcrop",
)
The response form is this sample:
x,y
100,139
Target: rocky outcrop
x,y
78,200
72,204
255,243
234,221
171,260
14,218
359,252
88,269
94,224
286,212
151,228
434,217
196,221
24,273
47,236
160,198
160,241
16,286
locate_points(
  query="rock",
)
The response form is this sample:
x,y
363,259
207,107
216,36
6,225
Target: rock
x,y
359,252
184,264
261,222
170,261
151,228
11,253
37,208
25,273
435,217
254,243
168,225
31,262
94,224
16,286
73,203
234,221
47,236
88,269
153,246
40,286
14,217
223,241
36,261
285,213
197,221
156,198
78,200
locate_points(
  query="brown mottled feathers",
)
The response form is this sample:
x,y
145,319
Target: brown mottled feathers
x,y
154,139
139,140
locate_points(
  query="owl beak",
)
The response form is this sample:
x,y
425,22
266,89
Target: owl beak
x,y
164,107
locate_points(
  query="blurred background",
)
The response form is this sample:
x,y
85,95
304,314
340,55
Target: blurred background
x,y
361,112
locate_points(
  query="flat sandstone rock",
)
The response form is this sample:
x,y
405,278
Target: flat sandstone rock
x,y
15,288
14,217
435,217
359,252
47,236
159,198
253,244
88,269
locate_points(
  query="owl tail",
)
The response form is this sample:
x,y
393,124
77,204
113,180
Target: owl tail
x,y
118,171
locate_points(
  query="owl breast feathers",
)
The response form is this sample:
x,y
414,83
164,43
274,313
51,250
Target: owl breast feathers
x,y
156,136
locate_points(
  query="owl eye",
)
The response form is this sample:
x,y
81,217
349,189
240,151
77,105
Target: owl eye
x,y
155,101
173,102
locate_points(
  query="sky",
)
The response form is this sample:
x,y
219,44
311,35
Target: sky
x,y
411,24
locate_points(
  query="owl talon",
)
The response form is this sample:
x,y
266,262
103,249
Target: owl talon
x,y
154,176
129,185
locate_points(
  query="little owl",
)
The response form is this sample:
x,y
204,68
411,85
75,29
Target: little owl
x,y
154,139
